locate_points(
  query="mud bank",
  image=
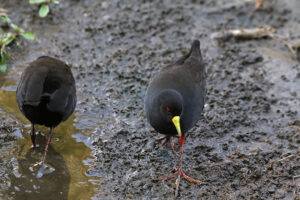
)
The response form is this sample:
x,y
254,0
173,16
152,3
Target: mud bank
x,y
246,145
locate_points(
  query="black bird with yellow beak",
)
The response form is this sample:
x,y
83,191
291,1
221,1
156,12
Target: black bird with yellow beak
x,y
175,100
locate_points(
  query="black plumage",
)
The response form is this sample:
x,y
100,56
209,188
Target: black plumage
x,y
46,94
177,93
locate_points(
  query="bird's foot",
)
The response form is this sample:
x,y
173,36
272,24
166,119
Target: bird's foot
x,y
179,173
41,169
167,139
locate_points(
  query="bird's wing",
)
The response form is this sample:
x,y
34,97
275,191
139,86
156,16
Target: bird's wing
x,y
62,100
30,87
60,87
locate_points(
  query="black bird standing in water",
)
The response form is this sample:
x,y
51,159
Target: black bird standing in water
x,y
46,94
175,100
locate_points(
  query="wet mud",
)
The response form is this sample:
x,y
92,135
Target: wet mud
x,y
246,145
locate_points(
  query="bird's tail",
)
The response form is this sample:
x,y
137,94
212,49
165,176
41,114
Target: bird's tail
x,y
194,53
195,50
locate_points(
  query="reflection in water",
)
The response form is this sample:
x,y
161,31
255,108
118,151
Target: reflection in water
x,y
66,155
25,185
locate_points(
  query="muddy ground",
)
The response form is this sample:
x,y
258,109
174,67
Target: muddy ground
x,y
246,145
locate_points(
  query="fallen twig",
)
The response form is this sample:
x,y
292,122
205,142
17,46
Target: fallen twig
x,y
256,33
294,46
284,157
249,33
3,11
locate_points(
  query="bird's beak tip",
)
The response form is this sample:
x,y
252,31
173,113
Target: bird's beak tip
x,y
176,122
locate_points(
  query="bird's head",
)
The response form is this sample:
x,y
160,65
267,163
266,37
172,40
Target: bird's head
x,y
171,108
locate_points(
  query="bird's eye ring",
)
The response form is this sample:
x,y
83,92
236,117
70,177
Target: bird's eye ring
x,y
168,110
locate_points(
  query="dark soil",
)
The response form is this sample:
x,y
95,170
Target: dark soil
x,y
246,145
7,142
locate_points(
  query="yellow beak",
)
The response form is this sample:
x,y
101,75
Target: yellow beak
x,y
176,122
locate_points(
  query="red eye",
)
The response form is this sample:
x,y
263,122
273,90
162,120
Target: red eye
x,y
168,109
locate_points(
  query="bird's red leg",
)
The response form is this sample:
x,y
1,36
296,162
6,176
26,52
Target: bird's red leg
x,y
48,142
257,6
167,139
181,141
179,172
